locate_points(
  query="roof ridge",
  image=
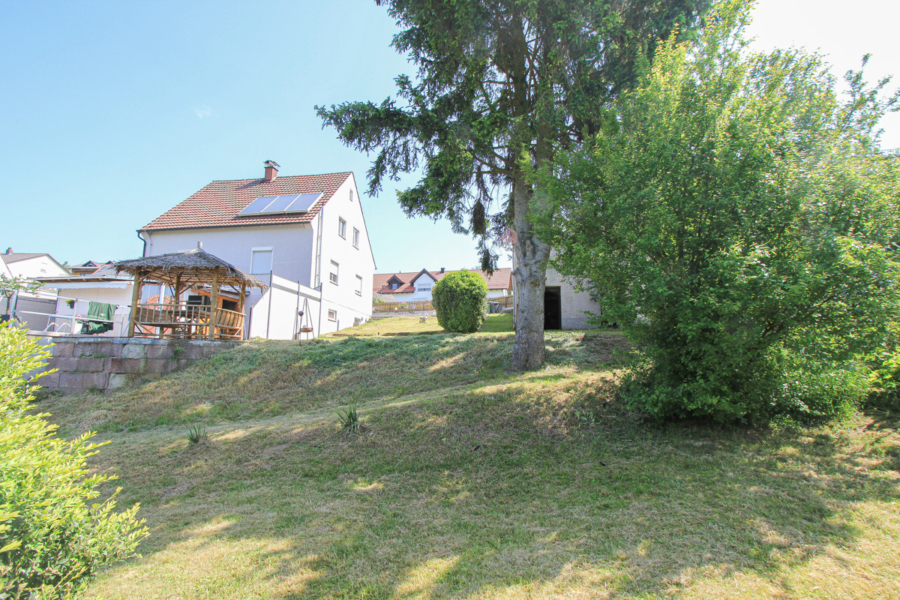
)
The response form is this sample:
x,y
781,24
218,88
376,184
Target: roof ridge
x,y
282,177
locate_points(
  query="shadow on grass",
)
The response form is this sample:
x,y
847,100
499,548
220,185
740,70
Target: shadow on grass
x,y
266,379
501,490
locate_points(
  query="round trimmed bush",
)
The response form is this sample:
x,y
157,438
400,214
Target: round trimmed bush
x,y
459,301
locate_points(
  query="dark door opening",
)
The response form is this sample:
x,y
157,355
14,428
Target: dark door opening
x,y
552,308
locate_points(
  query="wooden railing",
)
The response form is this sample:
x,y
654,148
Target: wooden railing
x,y
188,321
403,307
425,306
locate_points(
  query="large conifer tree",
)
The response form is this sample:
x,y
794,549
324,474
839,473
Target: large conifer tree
x,y
501,86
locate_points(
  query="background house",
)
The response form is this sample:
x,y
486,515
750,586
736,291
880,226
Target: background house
x,y
304,236
417,286
30,308
76,292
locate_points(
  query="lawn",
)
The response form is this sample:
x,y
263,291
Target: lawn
x,y
471,482
498,323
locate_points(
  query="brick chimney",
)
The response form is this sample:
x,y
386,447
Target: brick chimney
x,y
271,170
442,269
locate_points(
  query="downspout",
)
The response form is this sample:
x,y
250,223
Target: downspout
x,y
144,252
319,270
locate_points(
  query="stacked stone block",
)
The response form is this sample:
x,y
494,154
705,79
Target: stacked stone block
x,y
102,364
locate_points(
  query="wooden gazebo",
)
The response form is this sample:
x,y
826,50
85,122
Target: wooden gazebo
x,y
184,271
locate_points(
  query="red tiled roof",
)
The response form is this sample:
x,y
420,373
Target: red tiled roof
x,y
218,204
500,280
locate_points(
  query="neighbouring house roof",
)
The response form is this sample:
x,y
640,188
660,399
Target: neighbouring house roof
x,y
218,204
18,256
194,266
106,273
500,280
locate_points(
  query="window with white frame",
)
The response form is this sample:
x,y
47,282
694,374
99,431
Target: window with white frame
x,y
342,228
359,284
333,275
355,237
260,261
424,288
332,314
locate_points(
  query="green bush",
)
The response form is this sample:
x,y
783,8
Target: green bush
x,y
741,224
459,301
52,538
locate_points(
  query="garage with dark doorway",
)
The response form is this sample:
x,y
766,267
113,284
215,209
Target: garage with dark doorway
x,y
552,308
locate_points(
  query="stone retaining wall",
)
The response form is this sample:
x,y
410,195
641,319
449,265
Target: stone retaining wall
x,y
101,363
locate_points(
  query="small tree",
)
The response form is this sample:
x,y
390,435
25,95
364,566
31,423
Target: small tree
x,y
459,301
742,225
52,537
9,288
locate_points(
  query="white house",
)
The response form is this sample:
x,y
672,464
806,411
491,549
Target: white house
x,y
417,286
30,308
32,266
305,236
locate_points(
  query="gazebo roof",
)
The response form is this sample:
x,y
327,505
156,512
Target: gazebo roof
x,y
194,266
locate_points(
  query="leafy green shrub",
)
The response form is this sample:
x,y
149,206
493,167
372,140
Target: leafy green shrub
x,y
740,223
52,538
459,301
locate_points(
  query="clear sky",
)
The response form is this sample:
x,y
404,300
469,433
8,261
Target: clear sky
x,y
112,112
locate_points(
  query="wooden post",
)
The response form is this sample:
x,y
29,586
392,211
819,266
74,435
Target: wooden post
x,y
178,290
135,299
214,304
243,297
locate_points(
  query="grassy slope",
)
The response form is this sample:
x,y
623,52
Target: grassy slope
x,y
471,482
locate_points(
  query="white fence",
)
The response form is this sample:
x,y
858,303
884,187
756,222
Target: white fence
x,y
276,315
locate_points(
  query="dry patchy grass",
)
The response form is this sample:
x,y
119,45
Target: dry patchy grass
x,y
502,486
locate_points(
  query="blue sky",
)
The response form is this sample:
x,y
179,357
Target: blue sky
x,y
112,112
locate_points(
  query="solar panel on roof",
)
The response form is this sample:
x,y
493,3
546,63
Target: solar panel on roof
x,y
256,207
304,202
280,203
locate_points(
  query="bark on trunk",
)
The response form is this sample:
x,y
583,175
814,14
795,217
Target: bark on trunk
x,y
530,273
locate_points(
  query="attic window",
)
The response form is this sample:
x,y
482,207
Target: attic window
x,y
393,286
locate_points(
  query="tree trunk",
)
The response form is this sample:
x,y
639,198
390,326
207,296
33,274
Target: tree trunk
x,y
530,273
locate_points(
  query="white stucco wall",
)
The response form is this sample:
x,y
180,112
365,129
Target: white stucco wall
x,y
574,303
350,306
292,246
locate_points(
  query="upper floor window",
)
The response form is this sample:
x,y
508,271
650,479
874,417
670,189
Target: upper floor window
x,y
359,285
333,275
351,195
424,288
393,286
355,237
342,228
261,261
